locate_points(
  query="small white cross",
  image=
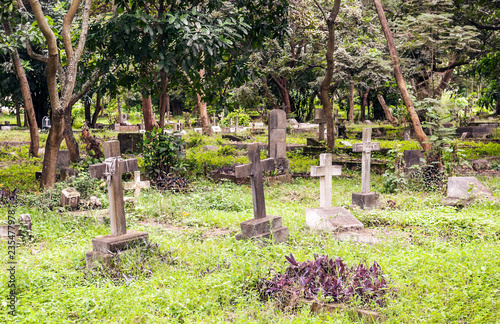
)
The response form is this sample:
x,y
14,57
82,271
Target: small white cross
x,y
137,184
325,171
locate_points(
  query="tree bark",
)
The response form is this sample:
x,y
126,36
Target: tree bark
x,y
445,80
387,112
325,85
69,137
351,102
18,113
163,96
28,101
417,126
282,85
98,108
86,106
202,106
147,112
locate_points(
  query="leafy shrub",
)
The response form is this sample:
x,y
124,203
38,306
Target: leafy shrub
x,y
227,150
194,141
327,277
243,119
162,153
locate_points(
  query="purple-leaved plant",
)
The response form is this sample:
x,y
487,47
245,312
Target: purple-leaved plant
x,y
328,277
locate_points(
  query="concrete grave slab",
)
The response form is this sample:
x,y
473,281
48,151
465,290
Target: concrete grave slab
x,y
333,219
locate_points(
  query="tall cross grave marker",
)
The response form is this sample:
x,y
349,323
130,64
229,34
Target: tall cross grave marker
x,y
365,199
277,137
262,225
326,217
112,169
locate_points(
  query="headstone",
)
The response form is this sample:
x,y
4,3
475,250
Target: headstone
x,y
67,172
262,225
465,187
312,142
62,159
9,230
411,158
292,122
210,148
481,164
214,120
130,142
178,126
120,239
45,123
328,218
407,135
277,137
216,129
70,198
365,199
319,118
232,138
137,184
368,122
199,130
123,118
236,126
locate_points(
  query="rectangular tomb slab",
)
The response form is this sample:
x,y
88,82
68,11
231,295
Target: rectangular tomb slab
x,y
264,228
332,219
114,243
365,200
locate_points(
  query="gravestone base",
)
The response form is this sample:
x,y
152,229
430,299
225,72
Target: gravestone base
x,y
332,219
365,200
94,258
115,243
282,163
264,228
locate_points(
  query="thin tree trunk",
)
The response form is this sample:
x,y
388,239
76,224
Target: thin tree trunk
x,y
417,126
18,113
28,101
310,113
202,106
269,96
363,105
445,80
497,108
388,114
86,106
97,110
163,96
325,85
147,111
351,102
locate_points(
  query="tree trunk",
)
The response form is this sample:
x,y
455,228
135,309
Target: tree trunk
x,y
69,137
325,85
54,139
497,108
119,106
97,110
18,113
310,113
351,102
147,111
86,106
202,106
417,126
163,96
269,96
388,114
445,80
284,92
28,101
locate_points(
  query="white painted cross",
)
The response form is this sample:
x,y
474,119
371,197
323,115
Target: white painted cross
x,y
325,171
137,184
366,147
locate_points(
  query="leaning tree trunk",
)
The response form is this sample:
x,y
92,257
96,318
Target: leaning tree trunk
x,y
147,111
28,101
417,126
351,102
387,112
69,137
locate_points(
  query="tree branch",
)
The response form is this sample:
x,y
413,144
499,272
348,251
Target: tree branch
x,y
35,56
321,9
66,29
481,26
86,86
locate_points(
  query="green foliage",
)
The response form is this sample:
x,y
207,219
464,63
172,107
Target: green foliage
x,y
243,119
227,150
218,197
162,153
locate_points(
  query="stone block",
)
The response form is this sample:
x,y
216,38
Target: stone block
x,y
465,187
277,135
411,158
67,173
94,258
277,119
62,159
70,198
481,164
232,138
365,200
312,142
266,227
130,142
332,219
115,243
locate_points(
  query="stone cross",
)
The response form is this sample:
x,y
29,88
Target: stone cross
x,y
255,170
325,171
169,114
137,184
112,168
214,120
319,118
366,147
236,126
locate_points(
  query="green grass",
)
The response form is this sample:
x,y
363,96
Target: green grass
x,y
445,265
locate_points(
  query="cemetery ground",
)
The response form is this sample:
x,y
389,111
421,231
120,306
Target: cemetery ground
x,y
441,261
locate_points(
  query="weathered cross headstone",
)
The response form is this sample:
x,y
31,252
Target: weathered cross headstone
x,y
120,239
178,126
319,118
137,184
45,123
262,225
214,120
277,137
365,199
328,218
